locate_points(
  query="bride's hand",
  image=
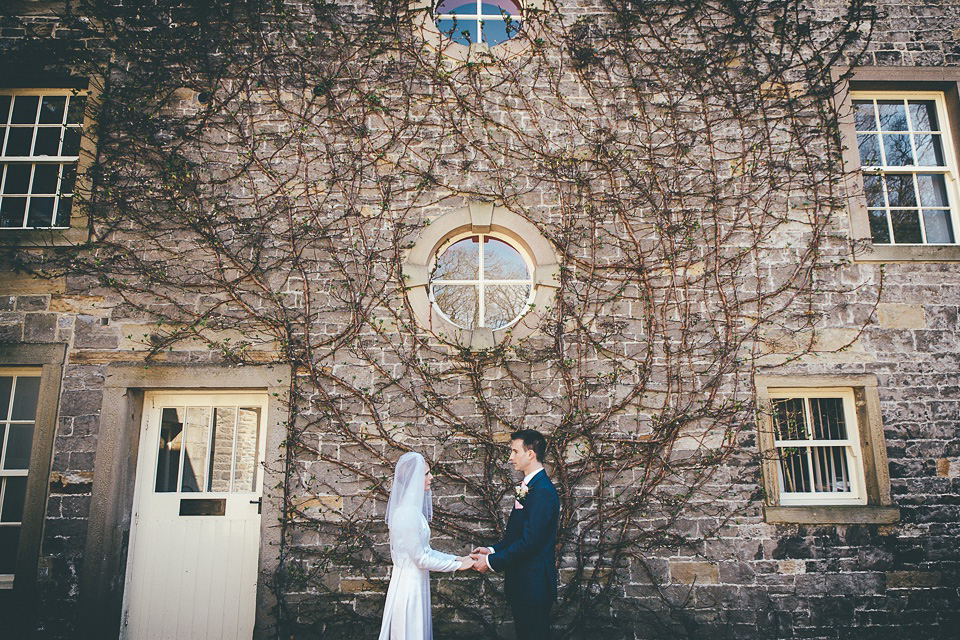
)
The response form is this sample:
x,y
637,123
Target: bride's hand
x,y
466,562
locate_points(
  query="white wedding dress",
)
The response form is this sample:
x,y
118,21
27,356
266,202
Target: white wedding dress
x,y
406,613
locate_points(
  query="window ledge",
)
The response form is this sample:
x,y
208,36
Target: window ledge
x,y
869,252
831,514
42,238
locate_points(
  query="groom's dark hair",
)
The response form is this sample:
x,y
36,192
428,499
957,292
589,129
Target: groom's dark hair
x,y
532,440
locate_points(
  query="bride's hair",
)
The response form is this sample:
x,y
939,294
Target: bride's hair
x,y
408,492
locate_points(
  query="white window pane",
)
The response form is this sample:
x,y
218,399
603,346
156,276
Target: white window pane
x,y
19,141
900,190
869,150
873,190
879,227
168,450
14,495
6,383
17,179
503,262
893,115
500,7
25,109
504,303
788,419
938,226
248,437
9,542
929,150
221,455
460,303
830,471
795,470
863,115
52,108
461,261
25,398
828,419
933,190
896,149
923,115
19,446
195,430
906,226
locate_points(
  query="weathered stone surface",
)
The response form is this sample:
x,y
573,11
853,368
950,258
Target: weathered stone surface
x,y
683,572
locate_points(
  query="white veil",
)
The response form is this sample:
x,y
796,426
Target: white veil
x,y
407,493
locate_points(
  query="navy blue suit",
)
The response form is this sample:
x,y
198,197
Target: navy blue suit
x,y
527,559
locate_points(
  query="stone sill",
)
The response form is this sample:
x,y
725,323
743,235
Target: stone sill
x,y
42,238
833,514
907,253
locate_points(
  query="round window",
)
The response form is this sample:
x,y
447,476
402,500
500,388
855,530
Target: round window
x,y
472,21
481,281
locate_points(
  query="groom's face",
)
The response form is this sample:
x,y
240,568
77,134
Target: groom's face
x,y
520,456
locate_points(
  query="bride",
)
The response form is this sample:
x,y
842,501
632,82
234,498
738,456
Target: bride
x,y
406,614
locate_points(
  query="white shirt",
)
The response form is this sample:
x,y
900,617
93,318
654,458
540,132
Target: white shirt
x,y
526,480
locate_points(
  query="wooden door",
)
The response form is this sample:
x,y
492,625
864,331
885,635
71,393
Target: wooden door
x,y
195,539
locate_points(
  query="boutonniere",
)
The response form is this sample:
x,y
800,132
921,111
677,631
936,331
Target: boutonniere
x,y
522,491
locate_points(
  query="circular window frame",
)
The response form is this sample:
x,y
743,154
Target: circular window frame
x,y
481,218
425,26
521,251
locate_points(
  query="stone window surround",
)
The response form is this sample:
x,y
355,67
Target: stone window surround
x,y
479,217
115,469
79,231
50,359
426,28
890,79
879,508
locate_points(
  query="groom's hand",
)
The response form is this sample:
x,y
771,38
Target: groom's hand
x,y
482,551
479,564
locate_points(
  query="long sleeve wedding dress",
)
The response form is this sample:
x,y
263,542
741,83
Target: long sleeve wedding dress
x,y
406,614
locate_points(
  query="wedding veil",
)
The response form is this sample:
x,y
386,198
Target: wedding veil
x,y
407,493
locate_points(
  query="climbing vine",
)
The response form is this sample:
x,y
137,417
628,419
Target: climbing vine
x,y
262,168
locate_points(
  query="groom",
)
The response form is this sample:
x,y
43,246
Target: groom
x,y
526,553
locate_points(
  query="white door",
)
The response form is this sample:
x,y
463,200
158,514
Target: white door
x,y
195,539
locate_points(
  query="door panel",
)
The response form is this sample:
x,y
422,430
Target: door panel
x,y
195,541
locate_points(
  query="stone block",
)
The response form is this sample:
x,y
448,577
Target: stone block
x,y
901,316
685,572
40,327
912,579
948,467
89,333
33,303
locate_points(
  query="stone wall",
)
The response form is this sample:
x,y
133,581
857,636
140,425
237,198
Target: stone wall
x,y
752,580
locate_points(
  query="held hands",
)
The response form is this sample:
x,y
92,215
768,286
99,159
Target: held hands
x,y
479,562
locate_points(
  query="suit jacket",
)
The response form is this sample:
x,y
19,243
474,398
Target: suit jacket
x,y
526,555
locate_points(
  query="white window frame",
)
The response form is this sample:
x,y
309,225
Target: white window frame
x,y
857,494
478,18
481,283
34,160
6,579
949,170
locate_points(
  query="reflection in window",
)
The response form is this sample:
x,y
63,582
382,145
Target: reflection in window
x,y
18,411
906,173
469,21
481,281
209,449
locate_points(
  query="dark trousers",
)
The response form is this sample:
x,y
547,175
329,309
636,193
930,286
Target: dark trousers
x,y
532,621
